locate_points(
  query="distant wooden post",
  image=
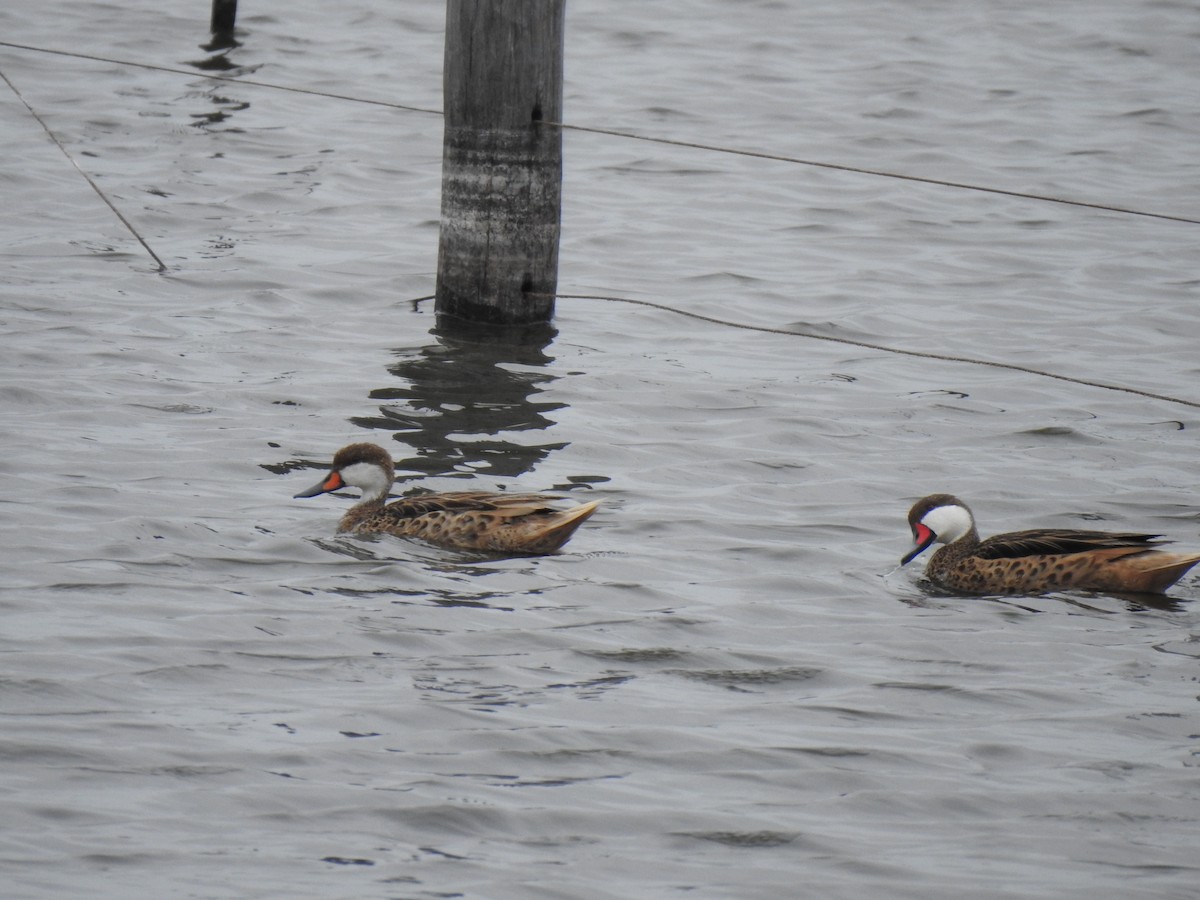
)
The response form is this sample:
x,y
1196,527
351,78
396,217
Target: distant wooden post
x,y
224,16
501,168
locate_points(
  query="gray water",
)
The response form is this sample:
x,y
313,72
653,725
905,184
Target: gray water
x,y
723,687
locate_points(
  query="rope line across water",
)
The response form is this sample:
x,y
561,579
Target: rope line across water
x,y
899,351
162,267
922,354
628,135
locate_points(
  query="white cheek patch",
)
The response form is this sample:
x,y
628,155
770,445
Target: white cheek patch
x,y
367,477
949,523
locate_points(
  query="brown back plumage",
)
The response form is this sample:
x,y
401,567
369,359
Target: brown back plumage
x,y
474,520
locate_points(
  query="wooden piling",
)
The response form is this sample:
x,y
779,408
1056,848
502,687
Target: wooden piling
x,y
221,25
501,167
224,16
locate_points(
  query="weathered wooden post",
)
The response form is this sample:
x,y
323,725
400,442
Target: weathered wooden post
x,y
501,167
224,16
221,25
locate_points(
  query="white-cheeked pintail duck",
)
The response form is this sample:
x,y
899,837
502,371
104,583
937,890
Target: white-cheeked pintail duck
x,y
469,520
1038,560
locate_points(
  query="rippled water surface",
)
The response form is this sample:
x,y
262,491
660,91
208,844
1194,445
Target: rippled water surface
x,y
723,687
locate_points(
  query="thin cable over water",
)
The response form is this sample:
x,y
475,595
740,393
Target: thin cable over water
x,y
162,267
587,129
236,79
669,142
920,354
858,170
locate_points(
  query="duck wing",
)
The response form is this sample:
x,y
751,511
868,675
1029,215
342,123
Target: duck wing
x,y
470,501
1051,541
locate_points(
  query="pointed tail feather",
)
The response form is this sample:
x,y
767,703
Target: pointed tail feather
x,y
1157,571
560,528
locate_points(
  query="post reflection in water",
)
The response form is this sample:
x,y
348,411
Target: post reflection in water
x,y
460,396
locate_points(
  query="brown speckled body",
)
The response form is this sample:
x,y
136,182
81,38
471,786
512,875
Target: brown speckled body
x,y
516,523
469,520
1040,560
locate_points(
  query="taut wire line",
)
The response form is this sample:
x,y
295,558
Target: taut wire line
x,y
920,354
858,170
587,129
235,79
162,267
670,142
